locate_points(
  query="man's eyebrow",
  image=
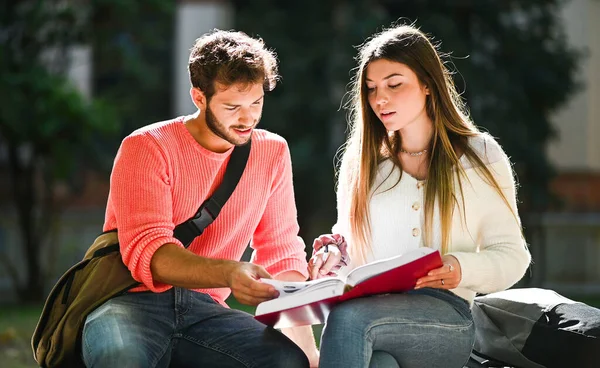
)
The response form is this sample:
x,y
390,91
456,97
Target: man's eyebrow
x,y
234,105
389,76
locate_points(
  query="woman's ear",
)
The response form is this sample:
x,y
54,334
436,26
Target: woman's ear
x,y
198,98
426,90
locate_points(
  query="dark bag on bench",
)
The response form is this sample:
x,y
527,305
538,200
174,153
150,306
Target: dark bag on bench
x,y
536,328
102,275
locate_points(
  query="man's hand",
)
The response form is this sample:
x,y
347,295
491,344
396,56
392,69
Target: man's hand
x,y
243,280
446,277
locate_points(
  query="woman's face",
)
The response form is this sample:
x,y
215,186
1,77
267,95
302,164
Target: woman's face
x,y
395,94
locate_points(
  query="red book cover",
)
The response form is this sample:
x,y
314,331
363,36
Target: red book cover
x,y
313,301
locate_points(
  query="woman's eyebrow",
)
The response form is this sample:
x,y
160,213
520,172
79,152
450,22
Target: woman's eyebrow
x,y
388,77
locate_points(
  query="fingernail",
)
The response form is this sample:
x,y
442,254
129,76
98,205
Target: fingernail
x,y
429,274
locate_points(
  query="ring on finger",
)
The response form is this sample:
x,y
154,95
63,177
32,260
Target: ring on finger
x,y
442,281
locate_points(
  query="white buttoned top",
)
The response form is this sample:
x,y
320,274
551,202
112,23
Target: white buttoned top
x,y
485,237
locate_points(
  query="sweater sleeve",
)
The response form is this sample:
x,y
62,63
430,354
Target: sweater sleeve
x,y
142,201
276,243
503,256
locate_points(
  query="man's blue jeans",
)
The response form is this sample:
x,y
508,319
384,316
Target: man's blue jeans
x,y
425,328
181,328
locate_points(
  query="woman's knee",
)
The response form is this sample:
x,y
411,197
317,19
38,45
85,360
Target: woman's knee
x,y
350,313
382,359
346,321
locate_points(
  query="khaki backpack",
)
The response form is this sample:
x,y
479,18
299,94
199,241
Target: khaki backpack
x,y
101,275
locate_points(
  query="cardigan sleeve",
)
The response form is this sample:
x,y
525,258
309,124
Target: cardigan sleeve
x,y
502,257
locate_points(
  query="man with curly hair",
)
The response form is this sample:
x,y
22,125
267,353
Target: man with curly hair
x,y
161,174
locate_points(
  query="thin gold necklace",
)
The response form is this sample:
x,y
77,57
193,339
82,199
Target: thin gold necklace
x,y
414,153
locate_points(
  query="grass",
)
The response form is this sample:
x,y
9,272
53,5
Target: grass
x,y
16,327
593,301
18,322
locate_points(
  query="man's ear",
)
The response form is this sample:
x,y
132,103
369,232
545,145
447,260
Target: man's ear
x,y
198,98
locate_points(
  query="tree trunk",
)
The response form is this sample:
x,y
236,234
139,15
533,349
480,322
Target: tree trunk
x,y
25,197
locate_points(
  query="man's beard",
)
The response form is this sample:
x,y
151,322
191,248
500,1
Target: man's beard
x,y
218,129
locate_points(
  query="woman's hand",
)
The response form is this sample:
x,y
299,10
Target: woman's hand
x,y
329,256
446,277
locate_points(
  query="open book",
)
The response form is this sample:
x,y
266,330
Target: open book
x,y
309,303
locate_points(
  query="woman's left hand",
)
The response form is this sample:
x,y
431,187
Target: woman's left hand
x,y
446,277
330,253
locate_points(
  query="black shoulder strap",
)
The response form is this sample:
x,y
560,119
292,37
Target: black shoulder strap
x,y
210,209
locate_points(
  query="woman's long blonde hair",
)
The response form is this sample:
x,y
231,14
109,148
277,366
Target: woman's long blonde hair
x,y
370,143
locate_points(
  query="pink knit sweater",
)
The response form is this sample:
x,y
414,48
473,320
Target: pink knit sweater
x,y
160,177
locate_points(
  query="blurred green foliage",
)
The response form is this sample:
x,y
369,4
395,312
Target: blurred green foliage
x,y
46,125
53,135
133,43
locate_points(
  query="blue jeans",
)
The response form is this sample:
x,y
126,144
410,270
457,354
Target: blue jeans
x,y
426,328
181,328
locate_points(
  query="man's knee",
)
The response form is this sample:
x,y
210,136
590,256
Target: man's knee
x,y
288,355
114,354
112,342
280,351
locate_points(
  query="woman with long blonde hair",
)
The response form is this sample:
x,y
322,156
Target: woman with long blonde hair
x,y
416,172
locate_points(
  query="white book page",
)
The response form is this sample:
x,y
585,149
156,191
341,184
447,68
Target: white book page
x,y
369,270
287,288
293,294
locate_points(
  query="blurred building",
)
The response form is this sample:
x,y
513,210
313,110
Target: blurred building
x,y
567,244
194,17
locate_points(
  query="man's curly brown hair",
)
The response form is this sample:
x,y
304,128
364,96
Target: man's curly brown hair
x,y
231,57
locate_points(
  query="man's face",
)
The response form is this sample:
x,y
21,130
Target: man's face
x,y
234,111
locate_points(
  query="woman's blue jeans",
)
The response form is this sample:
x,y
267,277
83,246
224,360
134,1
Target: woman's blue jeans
x,y
425,328
181,328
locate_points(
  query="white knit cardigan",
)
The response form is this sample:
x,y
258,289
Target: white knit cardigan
x,y
486,237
